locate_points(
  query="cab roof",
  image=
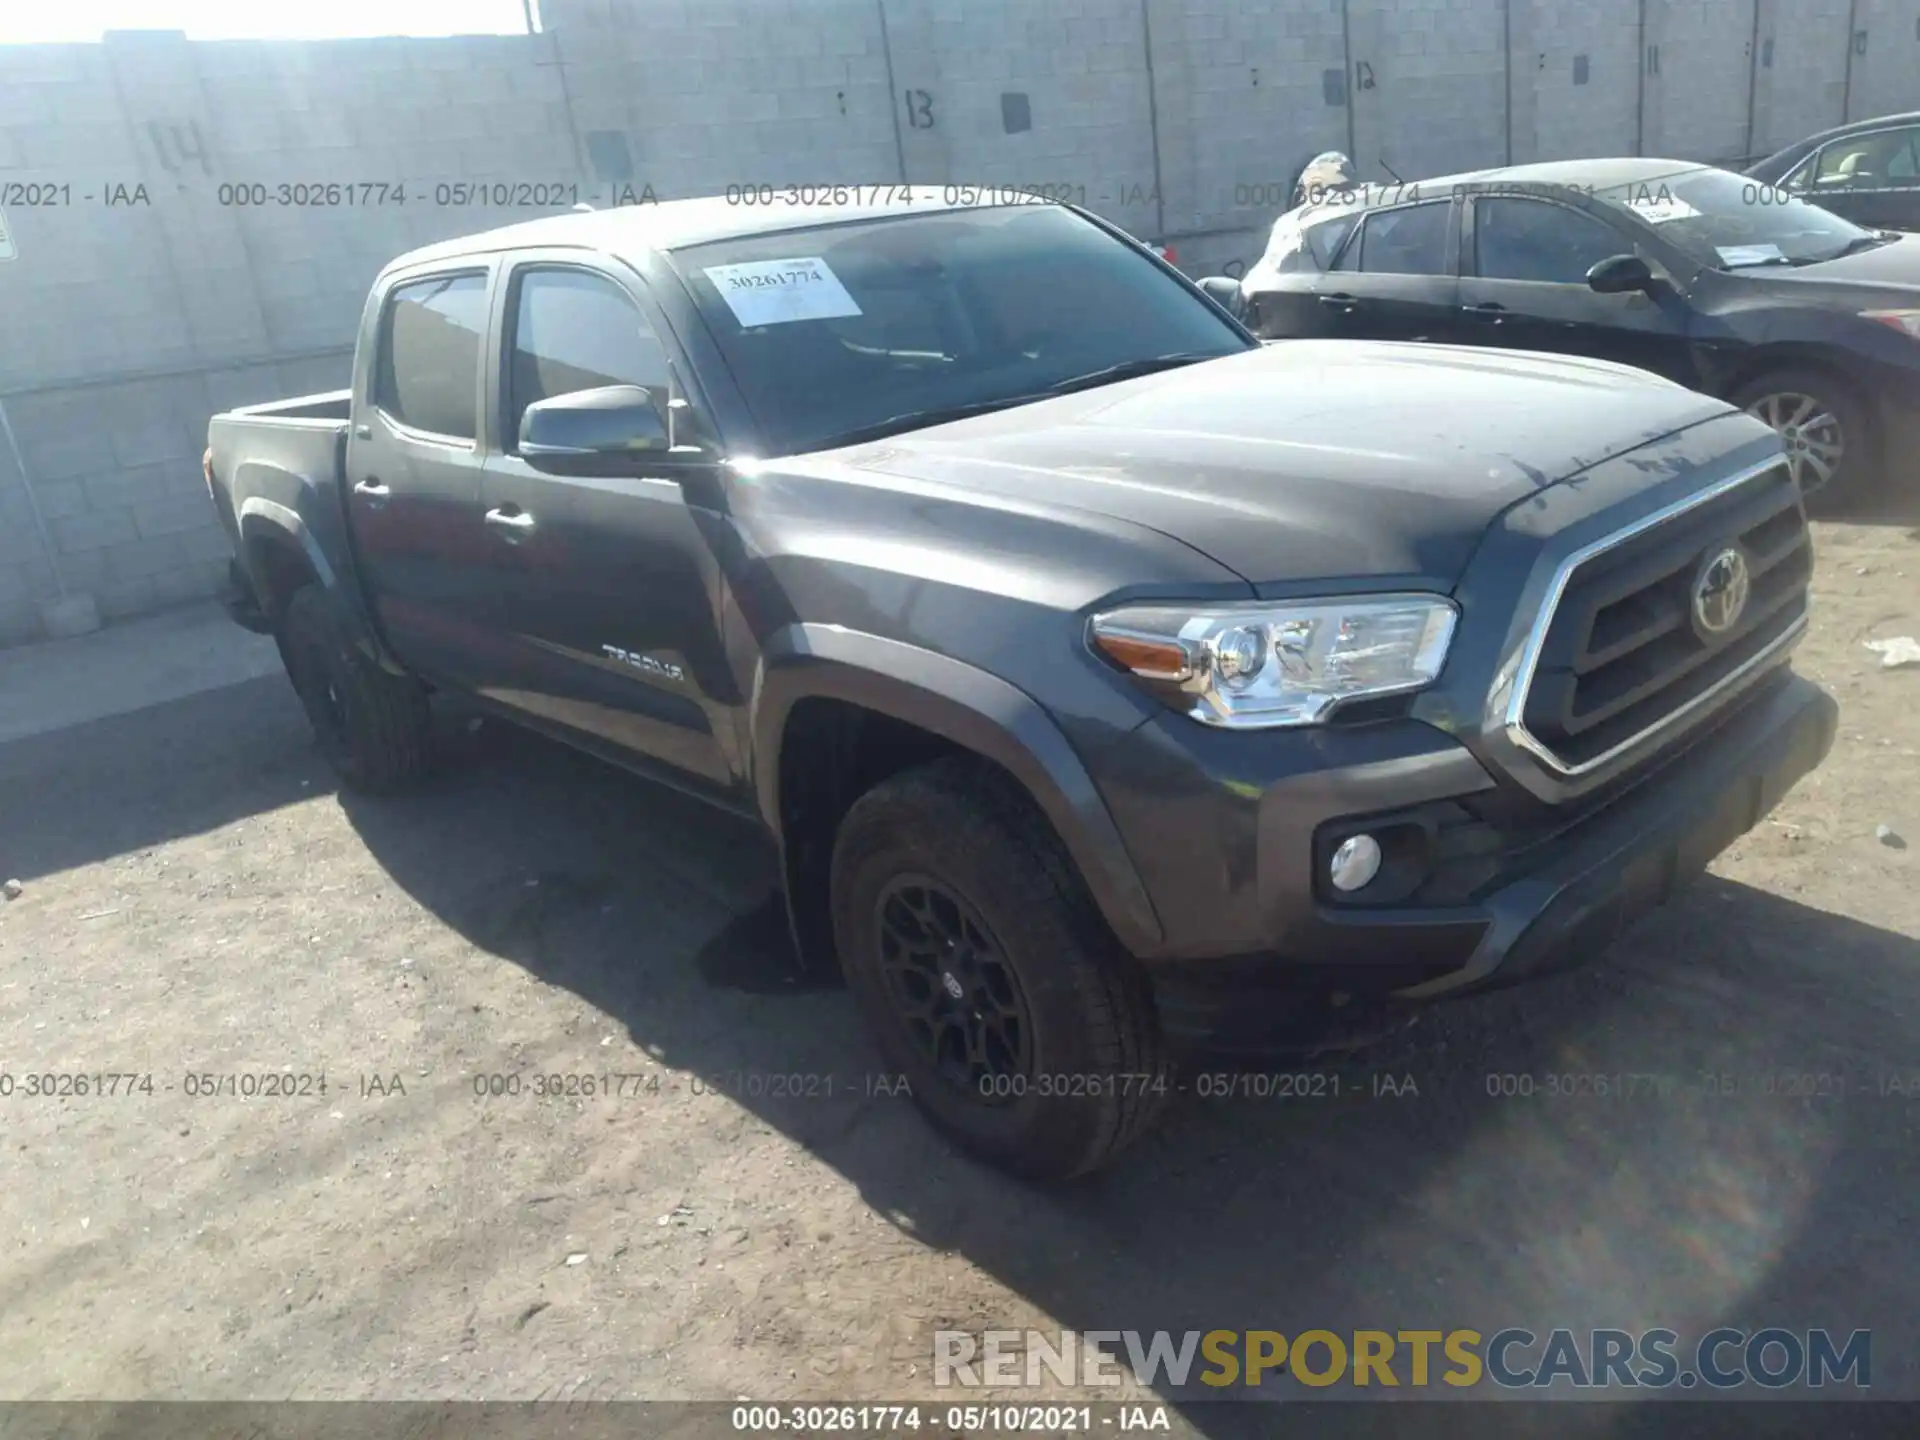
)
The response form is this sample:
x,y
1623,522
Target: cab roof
x,y
674,224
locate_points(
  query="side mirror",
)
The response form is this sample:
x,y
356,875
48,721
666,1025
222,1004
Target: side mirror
x,y
1225,293
611,421
1620,274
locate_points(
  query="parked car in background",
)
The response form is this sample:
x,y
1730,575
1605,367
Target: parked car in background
x,y
1868,172
1712,279
1108,683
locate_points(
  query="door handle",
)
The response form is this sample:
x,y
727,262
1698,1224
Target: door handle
x,y
373,488
513,524
1342,302
1491,311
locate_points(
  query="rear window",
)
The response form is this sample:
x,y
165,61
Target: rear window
x,y
428,370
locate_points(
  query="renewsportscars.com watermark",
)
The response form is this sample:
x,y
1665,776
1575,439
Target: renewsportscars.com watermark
x,y
1773,1358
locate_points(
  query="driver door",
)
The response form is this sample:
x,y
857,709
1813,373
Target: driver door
x,y
1525,287
606,598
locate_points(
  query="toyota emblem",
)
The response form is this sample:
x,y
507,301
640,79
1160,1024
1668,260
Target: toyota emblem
x,y
1720,590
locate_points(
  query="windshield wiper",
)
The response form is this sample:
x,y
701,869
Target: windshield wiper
x,y
1128,370
921,419
941,414
1854,247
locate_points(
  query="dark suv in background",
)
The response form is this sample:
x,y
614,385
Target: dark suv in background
x,y
1867,172
1715,280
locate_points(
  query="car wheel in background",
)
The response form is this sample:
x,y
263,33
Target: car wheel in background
x,y
1825,426
988,977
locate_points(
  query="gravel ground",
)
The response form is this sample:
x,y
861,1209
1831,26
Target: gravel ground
x,y
201,908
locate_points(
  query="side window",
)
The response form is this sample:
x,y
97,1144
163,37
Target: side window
x,y
573,330
428,370
1903,163
1326,238
1539,241
1869,162
1409,241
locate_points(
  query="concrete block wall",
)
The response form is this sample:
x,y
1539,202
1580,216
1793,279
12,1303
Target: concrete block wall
x,y
173,276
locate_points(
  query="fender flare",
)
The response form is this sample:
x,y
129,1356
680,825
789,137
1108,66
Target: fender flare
x,y
260,517
973,709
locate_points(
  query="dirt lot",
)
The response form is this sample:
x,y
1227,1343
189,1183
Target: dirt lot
x,y
199,902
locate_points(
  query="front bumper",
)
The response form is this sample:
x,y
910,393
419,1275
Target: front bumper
x,y
1575,894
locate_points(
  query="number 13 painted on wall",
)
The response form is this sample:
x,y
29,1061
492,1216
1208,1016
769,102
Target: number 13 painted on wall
x,y
919,109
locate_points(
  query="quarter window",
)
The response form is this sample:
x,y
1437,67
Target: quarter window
x,y
428,370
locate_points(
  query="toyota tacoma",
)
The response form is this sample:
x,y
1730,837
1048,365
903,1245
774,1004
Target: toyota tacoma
x,y
1111,684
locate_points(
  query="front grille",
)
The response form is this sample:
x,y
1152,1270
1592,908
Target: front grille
x,y
1623,657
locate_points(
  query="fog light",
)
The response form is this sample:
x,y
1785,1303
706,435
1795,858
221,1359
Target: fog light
x,y
1355,863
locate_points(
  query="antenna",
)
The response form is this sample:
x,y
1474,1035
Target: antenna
x,y
1389,169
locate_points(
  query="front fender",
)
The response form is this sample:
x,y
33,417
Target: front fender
x,y
970,708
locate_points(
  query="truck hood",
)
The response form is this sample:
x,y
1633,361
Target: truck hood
x,y
1306,459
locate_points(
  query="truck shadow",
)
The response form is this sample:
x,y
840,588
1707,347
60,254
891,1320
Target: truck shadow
x,y
1751,1162
127,782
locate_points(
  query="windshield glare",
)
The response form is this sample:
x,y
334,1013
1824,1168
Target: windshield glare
x,y
1735,222
835,329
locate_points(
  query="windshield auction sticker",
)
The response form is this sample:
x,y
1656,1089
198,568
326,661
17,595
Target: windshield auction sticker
x,y
7,252
779,292
1660,208
1734,256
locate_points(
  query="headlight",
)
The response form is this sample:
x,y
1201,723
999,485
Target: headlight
x,y
1907,320
1260,666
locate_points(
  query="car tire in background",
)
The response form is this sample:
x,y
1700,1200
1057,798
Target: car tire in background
x,y
373,727
988,977
1826,426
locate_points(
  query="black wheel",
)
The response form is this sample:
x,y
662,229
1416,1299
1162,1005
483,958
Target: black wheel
x,y
372,726
989,978
1826,427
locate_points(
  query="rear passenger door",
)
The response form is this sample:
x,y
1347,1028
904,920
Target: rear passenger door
x,y
413,471
1283,288
608,587
1525,287
1394,278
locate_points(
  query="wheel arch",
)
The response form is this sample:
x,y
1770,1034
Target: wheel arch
x,y
279,552
835,711
1825,361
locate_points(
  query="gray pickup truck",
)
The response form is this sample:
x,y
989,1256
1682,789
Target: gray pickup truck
x,y
1113,686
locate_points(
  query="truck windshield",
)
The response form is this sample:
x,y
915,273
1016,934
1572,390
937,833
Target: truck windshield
x,y
848,332
1738,222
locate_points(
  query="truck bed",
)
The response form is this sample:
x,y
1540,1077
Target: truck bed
x,y
327,405
278,450
283,460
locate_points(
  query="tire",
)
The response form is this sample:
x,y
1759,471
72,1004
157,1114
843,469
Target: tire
x,y
1841,420
372,727
954,845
